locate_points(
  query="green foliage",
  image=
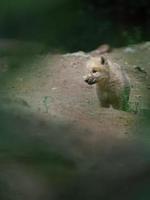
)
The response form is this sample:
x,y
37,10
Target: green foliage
x,y
132,36
75,25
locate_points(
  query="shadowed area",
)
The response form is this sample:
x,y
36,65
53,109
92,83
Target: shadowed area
x,y
47,158
70,25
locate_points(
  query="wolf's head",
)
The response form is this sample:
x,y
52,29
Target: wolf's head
x,y
98,70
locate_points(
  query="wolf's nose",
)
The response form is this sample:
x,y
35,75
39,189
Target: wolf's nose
x,y
86,80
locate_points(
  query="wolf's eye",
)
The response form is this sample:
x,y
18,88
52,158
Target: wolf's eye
x,y
94,71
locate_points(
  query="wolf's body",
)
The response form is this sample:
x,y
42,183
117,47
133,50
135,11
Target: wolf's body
x,y
112,83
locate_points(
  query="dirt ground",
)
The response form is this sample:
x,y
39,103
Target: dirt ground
x,y
58,143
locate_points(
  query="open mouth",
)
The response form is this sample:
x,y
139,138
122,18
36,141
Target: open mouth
x,y
90,80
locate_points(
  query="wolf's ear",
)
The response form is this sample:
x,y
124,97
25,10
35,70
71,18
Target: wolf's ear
x,y
103,60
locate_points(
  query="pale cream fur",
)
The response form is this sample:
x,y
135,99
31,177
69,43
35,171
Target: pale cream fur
x,y
112,82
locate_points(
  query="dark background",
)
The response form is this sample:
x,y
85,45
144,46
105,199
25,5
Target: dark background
x,y
73,25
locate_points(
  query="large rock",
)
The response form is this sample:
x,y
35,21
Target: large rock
x,y
58,143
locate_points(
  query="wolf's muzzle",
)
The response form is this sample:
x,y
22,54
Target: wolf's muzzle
x,y
90,80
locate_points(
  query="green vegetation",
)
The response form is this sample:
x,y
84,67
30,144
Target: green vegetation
x,y
75,25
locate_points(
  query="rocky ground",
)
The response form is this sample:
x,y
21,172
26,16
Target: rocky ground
x,y
57,142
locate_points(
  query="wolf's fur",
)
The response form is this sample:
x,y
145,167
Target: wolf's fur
x,y
112,83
